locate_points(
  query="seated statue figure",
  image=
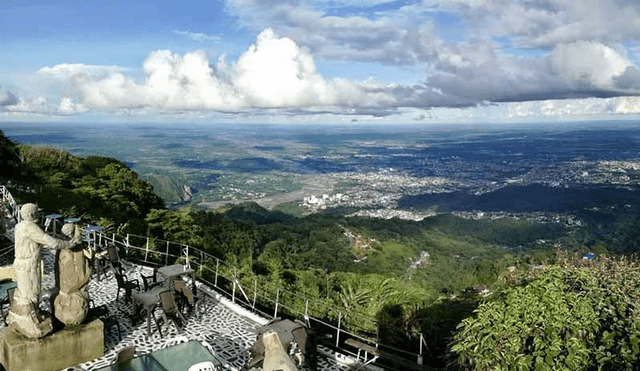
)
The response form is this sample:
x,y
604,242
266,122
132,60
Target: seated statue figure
x,y
25,315
73,273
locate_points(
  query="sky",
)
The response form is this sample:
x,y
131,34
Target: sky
x,y
376,61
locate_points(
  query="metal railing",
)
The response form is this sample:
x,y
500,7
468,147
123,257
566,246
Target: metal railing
x,y
8,200
269,302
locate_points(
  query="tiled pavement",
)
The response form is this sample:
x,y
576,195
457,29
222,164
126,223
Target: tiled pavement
x,y
225,326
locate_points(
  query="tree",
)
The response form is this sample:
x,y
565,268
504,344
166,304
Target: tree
x,y
10,163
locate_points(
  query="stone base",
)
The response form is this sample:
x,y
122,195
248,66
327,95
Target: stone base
x,y
59,350
31,325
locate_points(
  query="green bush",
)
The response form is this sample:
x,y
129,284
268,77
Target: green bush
x,y
575,315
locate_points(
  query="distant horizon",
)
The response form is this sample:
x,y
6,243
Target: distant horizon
x,y
523,122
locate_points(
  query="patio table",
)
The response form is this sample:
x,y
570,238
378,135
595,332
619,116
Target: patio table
x,y
145,362
177,357
147,300
171,272
181,356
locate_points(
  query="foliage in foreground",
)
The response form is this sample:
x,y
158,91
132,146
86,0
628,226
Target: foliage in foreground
x,y
575,315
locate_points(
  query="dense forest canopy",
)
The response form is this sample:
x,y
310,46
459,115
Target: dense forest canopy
x,y
98,189
409,277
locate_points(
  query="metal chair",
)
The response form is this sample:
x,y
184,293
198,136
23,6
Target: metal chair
x,y
202,366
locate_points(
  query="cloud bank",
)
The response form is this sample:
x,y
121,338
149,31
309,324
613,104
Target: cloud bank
x,y
510,58
472,51
273,73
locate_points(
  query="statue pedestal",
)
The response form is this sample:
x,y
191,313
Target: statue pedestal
x,y
56,351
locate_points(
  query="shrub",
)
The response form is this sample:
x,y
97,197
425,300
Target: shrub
x,y
573,315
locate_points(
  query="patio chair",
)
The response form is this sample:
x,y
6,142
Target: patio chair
x,y
186,296
170,311
126,284
150,281
113,259
100,262
108,320
125,354
202,366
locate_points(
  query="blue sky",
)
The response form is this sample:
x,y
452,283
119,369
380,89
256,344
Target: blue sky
x,y
379,61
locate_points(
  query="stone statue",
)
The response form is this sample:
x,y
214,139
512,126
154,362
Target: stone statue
x,y
73,273
275,357
25,315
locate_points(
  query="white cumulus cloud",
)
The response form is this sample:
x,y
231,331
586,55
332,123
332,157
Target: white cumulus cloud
x,y
68,106
38,105
589,63
272,73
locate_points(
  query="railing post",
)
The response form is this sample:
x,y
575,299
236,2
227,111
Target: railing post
x,y
306,309
215,283
185,251
338,331
233,293
275,312
420,358
146,251
166,257
255,292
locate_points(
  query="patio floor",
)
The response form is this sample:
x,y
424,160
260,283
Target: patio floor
x,y
225,326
